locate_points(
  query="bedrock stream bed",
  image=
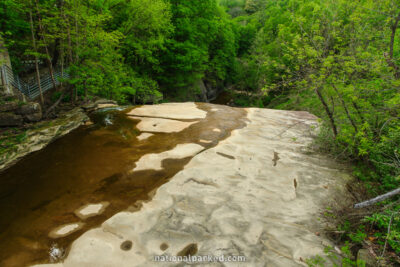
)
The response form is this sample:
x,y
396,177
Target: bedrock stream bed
x,y
95,164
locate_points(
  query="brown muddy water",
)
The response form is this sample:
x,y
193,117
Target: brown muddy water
x,y
90,165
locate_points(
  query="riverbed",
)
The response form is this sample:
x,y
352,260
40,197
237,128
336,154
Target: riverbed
x,y
93,164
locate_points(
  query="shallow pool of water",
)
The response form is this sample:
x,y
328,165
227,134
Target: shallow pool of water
x,y
92,164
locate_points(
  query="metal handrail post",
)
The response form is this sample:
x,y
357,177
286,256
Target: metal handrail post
x,y
5,80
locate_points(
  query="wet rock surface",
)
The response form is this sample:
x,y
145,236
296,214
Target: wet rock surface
x,y
255,191
99,104
46,192
43,134
177,111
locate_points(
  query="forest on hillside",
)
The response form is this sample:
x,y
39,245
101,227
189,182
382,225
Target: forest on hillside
x,y
338,59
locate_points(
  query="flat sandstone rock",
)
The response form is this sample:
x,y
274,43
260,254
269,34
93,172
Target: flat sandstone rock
x,y
100,106
170,110
65,230
157,125
144,136
91,210
256,194
154,161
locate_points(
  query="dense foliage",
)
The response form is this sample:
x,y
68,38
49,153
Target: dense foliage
x,y
125,50
334,59
339,60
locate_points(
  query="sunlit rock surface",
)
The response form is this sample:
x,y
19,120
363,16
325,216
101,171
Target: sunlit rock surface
x,y
65,230
259,194
91,210
161,125
144,136
154,161
180,111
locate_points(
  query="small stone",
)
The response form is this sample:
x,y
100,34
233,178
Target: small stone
x,y
126,245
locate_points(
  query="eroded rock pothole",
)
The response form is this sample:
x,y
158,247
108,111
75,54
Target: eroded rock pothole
x,y
126,245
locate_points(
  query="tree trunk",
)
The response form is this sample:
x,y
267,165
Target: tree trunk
x,y
86,90
345,108
390,60
358,111
77,47
394,28
56,52
36,59
69,40
62,64
70,57
50,65
328,112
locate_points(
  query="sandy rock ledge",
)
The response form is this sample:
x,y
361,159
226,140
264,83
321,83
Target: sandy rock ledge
x,y
43,134
229,200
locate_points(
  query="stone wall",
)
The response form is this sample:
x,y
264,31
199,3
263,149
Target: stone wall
x,y
14,112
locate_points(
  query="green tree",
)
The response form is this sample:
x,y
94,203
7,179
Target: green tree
x,y
146,27
203,42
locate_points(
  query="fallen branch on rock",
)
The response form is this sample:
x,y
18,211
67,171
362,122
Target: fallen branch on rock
x,y
377,199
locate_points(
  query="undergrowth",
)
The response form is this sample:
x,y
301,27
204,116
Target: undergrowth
x,y
376,227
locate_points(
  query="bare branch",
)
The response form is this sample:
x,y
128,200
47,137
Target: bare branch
x,y
377,199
